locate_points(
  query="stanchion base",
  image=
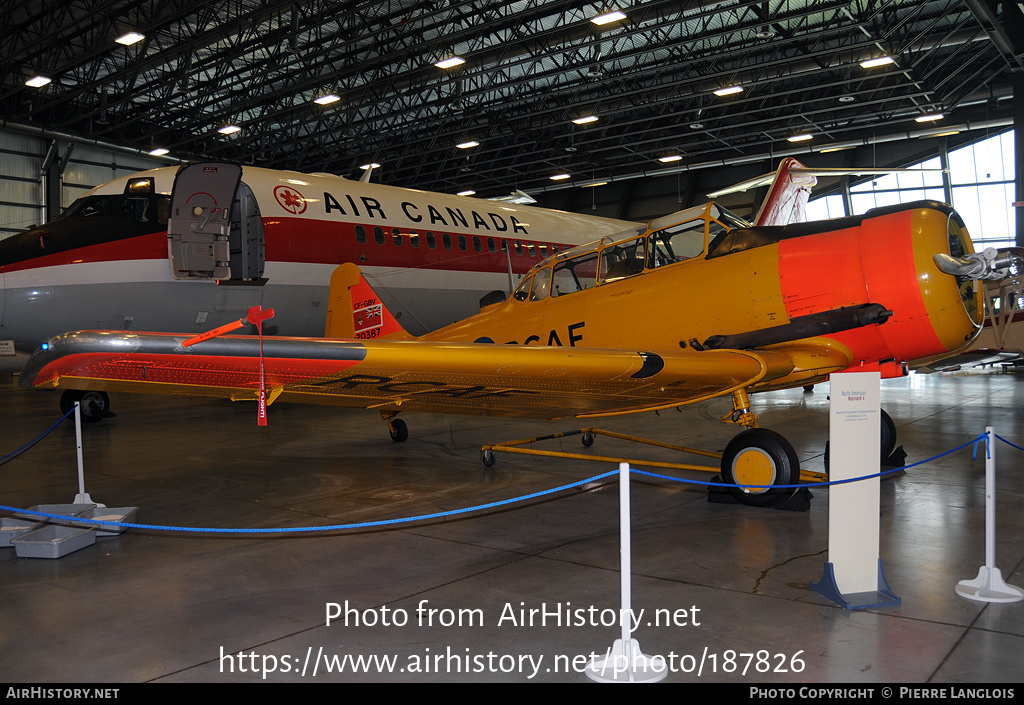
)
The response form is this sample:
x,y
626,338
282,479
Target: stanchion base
x,y
86,499
883,597
620,667
989,587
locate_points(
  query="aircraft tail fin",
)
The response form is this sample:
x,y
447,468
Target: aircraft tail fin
x,y
354,310
787,197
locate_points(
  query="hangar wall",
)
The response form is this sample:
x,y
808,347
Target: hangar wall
x,y
28,196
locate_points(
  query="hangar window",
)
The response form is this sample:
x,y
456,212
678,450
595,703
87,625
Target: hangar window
x,y
378,236
446,240
462,243
396,237
360,234
414,238
431,240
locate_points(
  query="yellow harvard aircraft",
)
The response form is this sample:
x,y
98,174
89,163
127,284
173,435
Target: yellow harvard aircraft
x,y
695,305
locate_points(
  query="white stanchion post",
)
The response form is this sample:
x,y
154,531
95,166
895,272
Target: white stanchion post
x,y
82,497
624,662
989,585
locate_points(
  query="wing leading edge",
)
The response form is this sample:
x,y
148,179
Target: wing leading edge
x,y
409,375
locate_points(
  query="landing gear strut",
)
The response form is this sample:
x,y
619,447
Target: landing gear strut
x,y
396,427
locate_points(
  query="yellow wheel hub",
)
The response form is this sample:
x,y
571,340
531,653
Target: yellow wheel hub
x,y
753,467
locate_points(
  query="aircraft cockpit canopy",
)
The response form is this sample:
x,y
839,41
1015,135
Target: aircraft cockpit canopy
x,y
665,241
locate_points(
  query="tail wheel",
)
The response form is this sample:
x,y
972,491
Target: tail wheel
x,y
760,457
399,431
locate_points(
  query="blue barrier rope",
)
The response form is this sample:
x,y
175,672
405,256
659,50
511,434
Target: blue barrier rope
x,y
1012,445
454,512
11,456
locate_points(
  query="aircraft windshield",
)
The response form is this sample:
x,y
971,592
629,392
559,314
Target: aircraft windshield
x,y
144,209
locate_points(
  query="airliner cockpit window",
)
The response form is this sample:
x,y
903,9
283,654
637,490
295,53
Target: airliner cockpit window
x,y
93,205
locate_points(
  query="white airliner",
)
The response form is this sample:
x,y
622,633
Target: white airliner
x,y
239,237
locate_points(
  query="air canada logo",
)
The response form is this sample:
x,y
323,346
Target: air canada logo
x,y
290,199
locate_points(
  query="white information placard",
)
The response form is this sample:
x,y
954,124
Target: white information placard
x,y
6,347
855,446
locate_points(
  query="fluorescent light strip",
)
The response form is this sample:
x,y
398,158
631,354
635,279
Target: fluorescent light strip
x,y
450,62
608,18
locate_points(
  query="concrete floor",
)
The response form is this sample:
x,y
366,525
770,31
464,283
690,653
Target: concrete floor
x,y
157,606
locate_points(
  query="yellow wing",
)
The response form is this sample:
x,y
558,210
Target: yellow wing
x,y
412,375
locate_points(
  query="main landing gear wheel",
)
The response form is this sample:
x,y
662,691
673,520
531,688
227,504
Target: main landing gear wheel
x,y
399,431
887,442
94,406
760,457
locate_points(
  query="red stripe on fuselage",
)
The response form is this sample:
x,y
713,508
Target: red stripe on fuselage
x,y
306,240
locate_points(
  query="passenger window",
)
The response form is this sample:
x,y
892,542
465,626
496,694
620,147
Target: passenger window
x,y
360,234
622,260
446,240
378,236
414,238
478,246
396,237
462,242
431,240
678,243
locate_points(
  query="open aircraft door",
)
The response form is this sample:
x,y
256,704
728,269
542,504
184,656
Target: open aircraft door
x,y
215,230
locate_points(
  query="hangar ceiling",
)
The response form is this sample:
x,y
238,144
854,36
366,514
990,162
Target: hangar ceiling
x,y
531,67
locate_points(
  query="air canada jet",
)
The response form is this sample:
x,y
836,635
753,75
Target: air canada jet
x,y
691,306
191,248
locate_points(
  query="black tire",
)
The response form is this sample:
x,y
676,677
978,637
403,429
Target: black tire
x,y
760,457
887,442
399,431
487,458
587,440
68,399
95,406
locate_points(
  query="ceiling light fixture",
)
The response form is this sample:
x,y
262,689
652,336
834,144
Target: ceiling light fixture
x,y
130,38
696,126
608,18
880,61
729,90
929,118
371,165
326,99
560,177
159,151
470,192
468,145
669,158
800,138
229,129
450,62
585,119
38,81
846,99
